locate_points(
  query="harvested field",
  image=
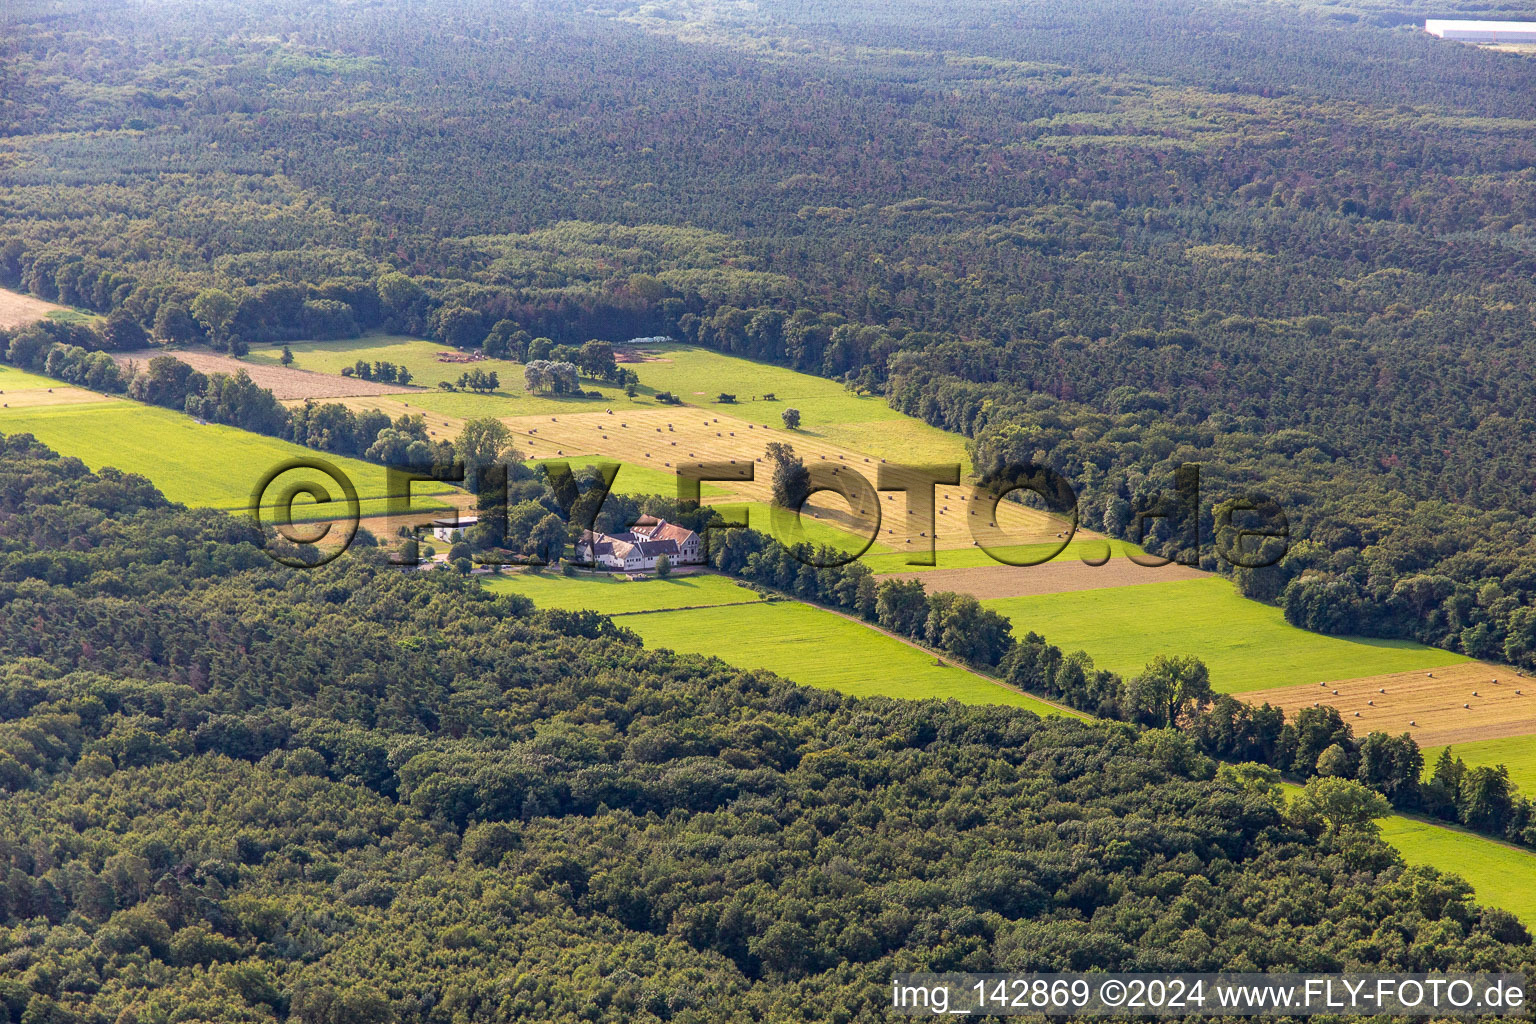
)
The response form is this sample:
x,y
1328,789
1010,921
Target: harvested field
x,y
1058,576
17,309
285,382
59,394
665,439
1458,703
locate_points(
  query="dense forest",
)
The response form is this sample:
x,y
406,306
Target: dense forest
x,y
1290,242
239,792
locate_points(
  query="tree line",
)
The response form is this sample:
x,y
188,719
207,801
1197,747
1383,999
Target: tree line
x,y
248,793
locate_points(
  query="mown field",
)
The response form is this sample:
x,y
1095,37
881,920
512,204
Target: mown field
x,y
420,357
1246,645
631,478
1517,753
1501,875
817,648
12,379
829,412
210,465
974,557
613,596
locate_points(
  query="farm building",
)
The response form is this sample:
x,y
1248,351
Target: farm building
x,y
640,546
1483,31
444,529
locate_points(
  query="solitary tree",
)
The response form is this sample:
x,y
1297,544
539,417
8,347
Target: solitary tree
x,y
663,567
287,357
479,443
548,538
791,480
791,418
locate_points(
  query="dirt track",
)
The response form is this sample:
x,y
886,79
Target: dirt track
x,y
1054,577
1451,704
285,382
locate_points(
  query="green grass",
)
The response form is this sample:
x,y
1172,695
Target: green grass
x,y
1246,645
1518,753
507,403
420,357
618,597
12,379
1501,875
828,410
817,648
633,478
415,354
74,316
211,466
809,531
970,558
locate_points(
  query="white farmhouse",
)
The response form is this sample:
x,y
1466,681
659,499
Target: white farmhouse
x,y
640,547
444,529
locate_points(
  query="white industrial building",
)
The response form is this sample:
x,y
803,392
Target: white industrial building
x,y
1483,31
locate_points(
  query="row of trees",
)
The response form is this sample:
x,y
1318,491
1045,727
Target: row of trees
x,y
1172,692
259,788
380,370
474,380
232,399
1175,692
533,525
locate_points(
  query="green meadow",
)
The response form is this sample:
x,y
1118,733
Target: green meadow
x,y
1247,645
788,531
632,478
420,357
863,423
615,596
1517,753
1020,554
211,466
12,379
815,647
415,354
1500,875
